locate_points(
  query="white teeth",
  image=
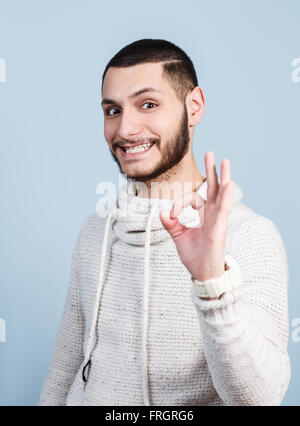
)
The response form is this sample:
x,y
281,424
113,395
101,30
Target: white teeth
x,y
138,148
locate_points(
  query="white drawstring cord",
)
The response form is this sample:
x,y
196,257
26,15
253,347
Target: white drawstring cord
x,y
87,359
145,377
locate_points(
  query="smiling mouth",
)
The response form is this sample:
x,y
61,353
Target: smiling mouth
x,y
137,148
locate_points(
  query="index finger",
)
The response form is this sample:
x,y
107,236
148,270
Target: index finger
x,y
192,198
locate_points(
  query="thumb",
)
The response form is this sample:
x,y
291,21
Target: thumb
x,y
173,226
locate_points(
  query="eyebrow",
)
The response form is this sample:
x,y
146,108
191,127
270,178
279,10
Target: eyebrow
x,y
133,95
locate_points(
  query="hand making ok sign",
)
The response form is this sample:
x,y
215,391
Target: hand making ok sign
x,y
202,248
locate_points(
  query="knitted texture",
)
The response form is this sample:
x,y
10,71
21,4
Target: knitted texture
x,y
230,351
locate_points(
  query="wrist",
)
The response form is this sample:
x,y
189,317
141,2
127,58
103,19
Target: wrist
x,y
215,288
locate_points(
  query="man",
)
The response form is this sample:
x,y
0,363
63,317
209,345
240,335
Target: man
x,y
163,310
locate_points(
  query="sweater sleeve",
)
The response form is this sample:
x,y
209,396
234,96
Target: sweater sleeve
x,y
245,332
68,352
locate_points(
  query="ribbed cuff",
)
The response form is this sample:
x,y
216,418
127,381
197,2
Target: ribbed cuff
x,y
225,309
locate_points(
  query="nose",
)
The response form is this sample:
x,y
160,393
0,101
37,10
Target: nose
x,y
130,124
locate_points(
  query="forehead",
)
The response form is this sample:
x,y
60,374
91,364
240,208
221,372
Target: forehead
x,y
121,82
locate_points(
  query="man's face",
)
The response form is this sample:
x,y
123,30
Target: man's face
x,y
148,133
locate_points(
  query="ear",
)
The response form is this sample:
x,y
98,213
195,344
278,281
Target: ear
x,y
195,103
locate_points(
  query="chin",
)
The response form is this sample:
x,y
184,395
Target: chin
x,y
141,173
137,176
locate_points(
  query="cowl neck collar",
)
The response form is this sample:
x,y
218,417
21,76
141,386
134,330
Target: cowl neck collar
x,y
132,213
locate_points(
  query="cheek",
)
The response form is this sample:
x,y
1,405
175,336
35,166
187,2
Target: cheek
x,y
109,131
157,127
164,123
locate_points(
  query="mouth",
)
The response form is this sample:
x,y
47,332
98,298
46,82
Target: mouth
x,y
137,150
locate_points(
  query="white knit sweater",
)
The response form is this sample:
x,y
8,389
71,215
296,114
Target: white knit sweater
x,y
131,310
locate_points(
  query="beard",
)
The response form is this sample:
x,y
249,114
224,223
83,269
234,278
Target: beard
x,y
174,151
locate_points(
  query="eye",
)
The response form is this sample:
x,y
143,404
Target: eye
x,y
107,112
149,103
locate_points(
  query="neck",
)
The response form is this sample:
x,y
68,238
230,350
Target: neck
x,y
181,179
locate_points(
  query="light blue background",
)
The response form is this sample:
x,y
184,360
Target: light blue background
x,y
53,152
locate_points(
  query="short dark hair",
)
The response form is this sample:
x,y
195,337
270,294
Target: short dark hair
x,y
177,67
